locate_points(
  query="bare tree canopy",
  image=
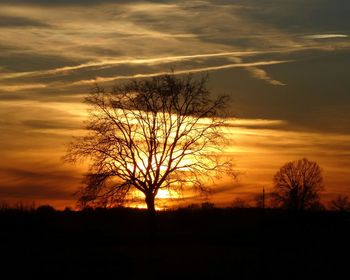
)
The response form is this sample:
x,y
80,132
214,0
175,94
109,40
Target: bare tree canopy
x,y
297,185
340,203
147,135
240,203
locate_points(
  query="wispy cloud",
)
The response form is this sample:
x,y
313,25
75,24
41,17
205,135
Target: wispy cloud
x,y
130,61
236,122
326,36
263,75
179,72
21,87
250,66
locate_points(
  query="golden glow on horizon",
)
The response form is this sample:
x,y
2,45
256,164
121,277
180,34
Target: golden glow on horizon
x,y
165,198
258,148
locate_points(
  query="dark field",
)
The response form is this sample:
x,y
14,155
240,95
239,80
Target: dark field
x,y
197,244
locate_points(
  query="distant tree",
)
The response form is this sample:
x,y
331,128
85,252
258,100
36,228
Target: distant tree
x,y
207,205
45,209
297,185
239,203
193,206
340,203
4,206
68,209
147,135
317,206
25,206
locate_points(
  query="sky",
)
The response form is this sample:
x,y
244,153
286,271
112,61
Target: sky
x,y
284,64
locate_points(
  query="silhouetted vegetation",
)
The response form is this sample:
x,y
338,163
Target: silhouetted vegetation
x,y
207,205
147,135
45,209
239,203
297,185
340,203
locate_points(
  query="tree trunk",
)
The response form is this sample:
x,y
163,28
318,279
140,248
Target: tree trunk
x,y
150,204
152,223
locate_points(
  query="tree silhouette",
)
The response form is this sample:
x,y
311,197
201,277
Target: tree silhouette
x,y
240,203
147,135
45,209
297,185
340,203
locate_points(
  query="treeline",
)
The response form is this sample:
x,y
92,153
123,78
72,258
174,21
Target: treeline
x,y
339,204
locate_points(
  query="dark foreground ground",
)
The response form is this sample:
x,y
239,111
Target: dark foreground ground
x,y
187,244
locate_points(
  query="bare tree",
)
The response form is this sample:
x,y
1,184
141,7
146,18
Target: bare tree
x,y
147,135
297,185
240,203
341,204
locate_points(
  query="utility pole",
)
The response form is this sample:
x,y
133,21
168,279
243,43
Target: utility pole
x,y
263,197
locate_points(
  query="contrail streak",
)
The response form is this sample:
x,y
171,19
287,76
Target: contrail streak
x,y
114,62
179,72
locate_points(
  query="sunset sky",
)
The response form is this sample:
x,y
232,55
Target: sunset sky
x,y
285,65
